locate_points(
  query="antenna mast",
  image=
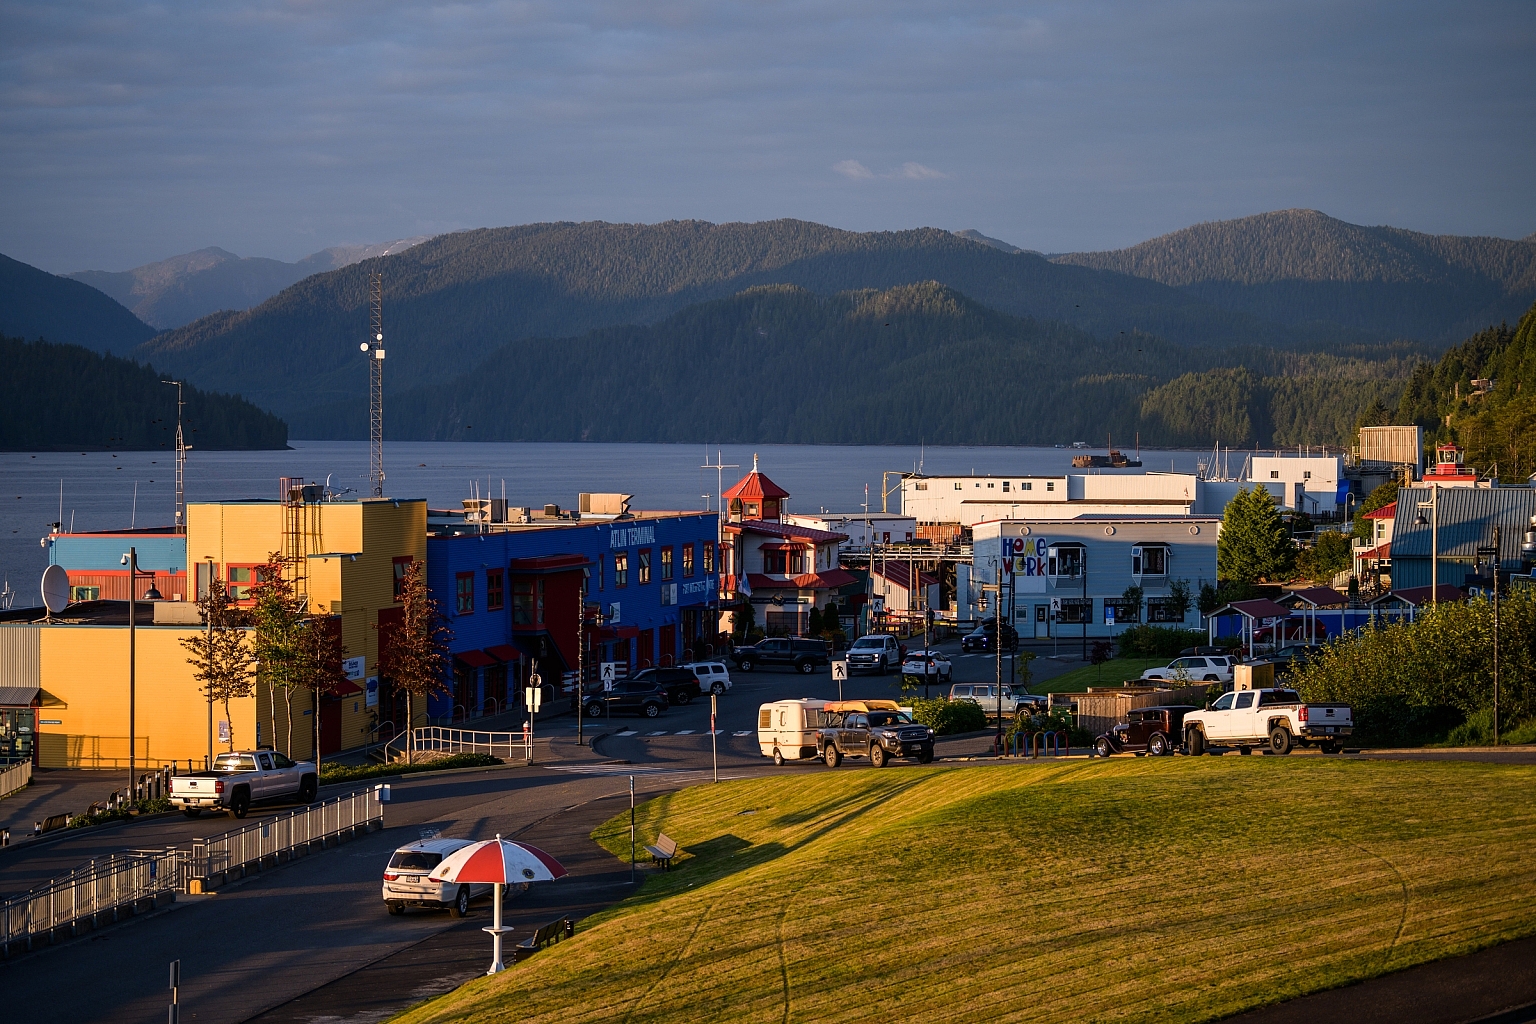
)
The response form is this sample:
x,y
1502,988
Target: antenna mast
x,y
181,464
375,349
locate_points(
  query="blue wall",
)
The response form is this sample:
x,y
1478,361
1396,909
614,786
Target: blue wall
x,y
85,552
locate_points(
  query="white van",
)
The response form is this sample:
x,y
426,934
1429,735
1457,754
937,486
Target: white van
x,y
786,729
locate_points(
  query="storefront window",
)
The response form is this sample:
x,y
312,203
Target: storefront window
x,y
687,559
621,570
522,602
18,727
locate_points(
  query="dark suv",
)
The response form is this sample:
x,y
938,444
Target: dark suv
x,y
980,638
635,696
803,653
679,684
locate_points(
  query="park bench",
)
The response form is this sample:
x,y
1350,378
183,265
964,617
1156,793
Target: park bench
x,y
552,932
663,852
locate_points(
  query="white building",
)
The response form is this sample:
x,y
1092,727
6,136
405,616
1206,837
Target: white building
x,y
858,527
1314,484
1064,577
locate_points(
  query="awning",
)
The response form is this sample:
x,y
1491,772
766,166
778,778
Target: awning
x,y
345,688
18,696
476,659
607,634
505,652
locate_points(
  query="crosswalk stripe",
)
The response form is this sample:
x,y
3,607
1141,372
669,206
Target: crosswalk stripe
x,y
626,732
744,732
685,732
659,732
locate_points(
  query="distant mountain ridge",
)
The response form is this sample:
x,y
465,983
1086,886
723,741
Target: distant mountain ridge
x,y
36,304
1302,266
174,292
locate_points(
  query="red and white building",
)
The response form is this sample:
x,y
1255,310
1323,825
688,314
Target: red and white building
x,y
777,568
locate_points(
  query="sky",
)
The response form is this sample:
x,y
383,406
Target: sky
x,y
133,131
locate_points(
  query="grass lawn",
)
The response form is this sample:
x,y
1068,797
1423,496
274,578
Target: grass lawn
x,y
1180,889
1111,673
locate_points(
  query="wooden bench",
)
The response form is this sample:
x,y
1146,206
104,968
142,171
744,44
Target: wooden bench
x,y
552,932
663,852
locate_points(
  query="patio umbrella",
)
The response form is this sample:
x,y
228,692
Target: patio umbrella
x,y
498,861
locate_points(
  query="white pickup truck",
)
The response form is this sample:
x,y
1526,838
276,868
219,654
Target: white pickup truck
x,y
243,778
1272,718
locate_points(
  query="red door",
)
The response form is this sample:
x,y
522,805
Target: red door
x,y
647,648
330,725
668,644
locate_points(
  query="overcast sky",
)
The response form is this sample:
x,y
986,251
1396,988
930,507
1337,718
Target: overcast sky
x,y
130,132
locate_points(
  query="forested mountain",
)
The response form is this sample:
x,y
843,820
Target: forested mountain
x,y
1301,266
915,362
1497,428
451,301
176,291
37,304
64,396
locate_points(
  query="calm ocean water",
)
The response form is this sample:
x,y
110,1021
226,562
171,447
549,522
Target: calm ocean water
x,y
99,487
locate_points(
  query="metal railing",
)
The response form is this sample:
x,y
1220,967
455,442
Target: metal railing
x,y
212,860
15,777
440,739
94,893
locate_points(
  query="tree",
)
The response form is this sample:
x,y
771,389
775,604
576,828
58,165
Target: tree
x,y
1179,598
1381,497
1210,598
1254,544
415,658
814,624
279,644
322,671
1329,555
1133,596
220,654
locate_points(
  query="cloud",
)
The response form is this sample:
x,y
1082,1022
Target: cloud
x,y
917,172
852,169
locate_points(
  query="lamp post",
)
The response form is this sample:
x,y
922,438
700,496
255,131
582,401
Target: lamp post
x,y
1433,504
209,765
131,560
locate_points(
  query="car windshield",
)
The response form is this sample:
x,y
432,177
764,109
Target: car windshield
x,y
415,860
889,718
234,763
868,641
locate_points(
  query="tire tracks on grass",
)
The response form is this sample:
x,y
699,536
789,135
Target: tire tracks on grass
x,y
1402,920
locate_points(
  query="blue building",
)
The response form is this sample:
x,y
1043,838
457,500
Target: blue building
x,y
94,562
516,593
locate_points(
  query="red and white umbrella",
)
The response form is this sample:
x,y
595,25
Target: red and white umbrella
x,y
498,860
502,862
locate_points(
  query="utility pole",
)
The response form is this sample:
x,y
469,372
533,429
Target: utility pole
x,y
581,652
719,466
374,348
997,644
181,462
209,765
1496,551
132,560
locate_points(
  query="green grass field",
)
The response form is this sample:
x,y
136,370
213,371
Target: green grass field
x,y
1111,673
1132,889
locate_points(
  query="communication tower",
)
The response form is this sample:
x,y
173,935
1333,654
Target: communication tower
x,y
374,347
181,462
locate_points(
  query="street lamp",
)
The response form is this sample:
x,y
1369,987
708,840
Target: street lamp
x,y
1434,540
131,560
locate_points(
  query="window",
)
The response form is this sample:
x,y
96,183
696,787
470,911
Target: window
x,y
774,563
1223,703
493,590
621,570
1274,474
1151,560
666,563
752,509
522,602
797,563
687,559
1244,700
401,565
242,578
1050,485
1005,485
990,485
464,593
1075,611
643,567
85,593
600,560
1125,611
1306,474
1163,611
922,487
1028,486
1065,560
708,548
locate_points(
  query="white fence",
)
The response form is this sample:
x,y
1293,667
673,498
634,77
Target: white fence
x,y
443,740
214,860
15,777
95,893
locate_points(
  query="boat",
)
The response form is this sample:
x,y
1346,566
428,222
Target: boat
x,y
1116,459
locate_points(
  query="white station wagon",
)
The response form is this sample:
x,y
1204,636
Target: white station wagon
x,y
714,677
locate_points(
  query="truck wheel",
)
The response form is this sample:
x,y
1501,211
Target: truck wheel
x,y
460,906
396,908
1157,746
1280,740
192,812
832,756
746,664
877,756
778,757
806,668
307,790
1102,748
1194,742
240,803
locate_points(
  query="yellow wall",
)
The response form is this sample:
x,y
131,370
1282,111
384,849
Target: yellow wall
x,y
85,669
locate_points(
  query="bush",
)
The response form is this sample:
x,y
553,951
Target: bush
x,y
947,717
1158,641
1055,720
351,773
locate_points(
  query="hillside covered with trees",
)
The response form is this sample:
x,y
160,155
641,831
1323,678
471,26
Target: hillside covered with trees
x,y
64,396
36,304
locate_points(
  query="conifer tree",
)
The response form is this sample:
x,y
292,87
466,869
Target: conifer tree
x,y
1254,545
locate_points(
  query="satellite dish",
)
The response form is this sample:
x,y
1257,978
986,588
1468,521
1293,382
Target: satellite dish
x,y
55,588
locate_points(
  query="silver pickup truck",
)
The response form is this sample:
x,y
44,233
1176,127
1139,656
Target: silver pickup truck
x,y
243,778
1275,719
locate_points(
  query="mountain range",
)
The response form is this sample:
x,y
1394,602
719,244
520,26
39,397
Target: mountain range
x,y
37,304
179,290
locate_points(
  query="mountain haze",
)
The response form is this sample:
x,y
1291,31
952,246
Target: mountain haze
x,y
36,304
1301,266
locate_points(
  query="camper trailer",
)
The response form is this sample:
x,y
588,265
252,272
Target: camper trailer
x,y
786,729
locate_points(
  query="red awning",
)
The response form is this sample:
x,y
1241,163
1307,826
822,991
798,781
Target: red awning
x,y
505,652
607,634
475,659
346,688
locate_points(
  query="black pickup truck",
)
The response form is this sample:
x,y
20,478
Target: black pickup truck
x,y
878,735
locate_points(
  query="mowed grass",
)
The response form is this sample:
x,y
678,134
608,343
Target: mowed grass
x,y
1112,673
1130,889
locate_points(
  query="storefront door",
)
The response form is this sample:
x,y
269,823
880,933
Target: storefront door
x,y
1042,622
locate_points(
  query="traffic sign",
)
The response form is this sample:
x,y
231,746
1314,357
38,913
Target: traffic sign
x,y
533,697
839,670
609,671
1055,604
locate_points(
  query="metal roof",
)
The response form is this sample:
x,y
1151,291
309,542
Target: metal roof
x,y
1467,516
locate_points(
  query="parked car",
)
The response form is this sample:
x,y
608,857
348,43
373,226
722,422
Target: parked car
x,y
1208,669
877,652
981,638
631,696
928,664
712,675
1275,718
406,883
242,778
1159,731
985,694
680,685
878,735
803,653
786,729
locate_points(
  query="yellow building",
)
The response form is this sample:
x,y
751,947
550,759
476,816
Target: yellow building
x,y
353,554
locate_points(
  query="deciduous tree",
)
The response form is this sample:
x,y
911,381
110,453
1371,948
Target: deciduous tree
x,y
221,653
415,658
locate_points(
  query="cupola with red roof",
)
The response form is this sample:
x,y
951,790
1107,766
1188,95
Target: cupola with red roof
x,y
755,496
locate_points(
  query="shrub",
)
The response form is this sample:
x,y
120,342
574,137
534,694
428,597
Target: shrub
x,y
350,773
1158,641
946,717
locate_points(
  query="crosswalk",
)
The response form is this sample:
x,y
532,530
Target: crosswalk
x,y
684,732
626,769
